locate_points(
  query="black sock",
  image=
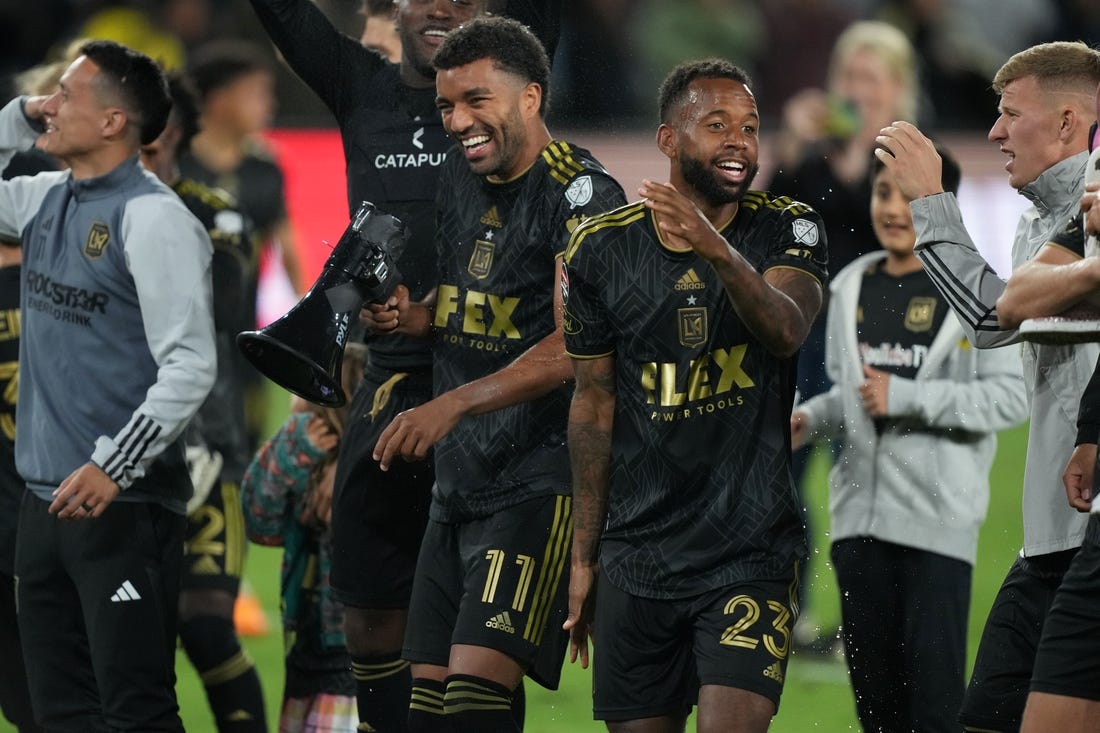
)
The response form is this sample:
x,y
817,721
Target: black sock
x,y
382,690
477,705
232,685
426,707
519,705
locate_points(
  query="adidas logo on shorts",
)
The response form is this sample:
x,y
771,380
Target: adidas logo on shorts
x,y
126,592
775,672
502,622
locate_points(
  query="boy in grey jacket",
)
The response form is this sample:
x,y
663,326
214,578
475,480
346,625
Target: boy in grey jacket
x,y
915,409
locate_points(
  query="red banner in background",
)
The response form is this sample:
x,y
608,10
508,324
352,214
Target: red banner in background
x,y
316,194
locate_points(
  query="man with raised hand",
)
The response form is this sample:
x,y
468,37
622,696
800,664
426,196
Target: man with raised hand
x,y
489,596
684,315
117,354
395,148
1047,106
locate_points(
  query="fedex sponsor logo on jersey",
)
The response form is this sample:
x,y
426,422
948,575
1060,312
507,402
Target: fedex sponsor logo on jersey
x,y
480,314
716,373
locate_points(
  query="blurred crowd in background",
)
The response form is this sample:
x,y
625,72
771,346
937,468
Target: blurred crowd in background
x,y
613,53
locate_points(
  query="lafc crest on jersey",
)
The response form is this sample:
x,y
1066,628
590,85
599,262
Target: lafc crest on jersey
x,y
481,261
98,238
919,314
692,326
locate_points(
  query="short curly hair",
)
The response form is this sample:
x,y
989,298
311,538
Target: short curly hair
x,y
510,45
675,86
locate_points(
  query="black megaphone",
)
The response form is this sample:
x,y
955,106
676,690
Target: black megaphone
x,y
303,351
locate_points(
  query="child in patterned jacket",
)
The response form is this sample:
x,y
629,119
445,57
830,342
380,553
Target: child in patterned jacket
x,y
287,498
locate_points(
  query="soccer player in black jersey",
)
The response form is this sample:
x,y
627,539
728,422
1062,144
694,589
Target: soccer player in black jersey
x,y
15,698
683,314
215,540
488,597
394,147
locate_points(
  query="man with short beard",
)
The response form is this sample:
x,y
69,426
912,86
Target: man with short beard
x,y
684,315
395,148
489,596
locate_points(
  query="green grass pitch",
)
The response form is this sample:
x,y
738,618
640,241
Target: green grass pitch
x,y
816,697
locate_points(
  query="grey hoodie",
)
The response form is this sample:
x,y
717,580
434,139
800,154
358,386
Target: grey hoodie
x,y
117,349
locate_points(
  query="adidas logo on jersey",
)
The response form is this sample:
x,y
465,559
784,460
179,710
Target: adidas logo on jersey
x,y
501,622
126,592
775,672
690,281
492,219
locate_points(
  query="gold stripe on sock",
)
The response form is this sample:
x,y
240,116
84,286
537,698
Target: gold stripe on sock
x,y
228,670
368,672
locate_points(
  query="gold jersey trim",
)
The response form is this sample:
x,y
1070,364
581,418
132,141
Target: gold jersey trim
x,y
563,166
796,269
620,217
588,357
760,199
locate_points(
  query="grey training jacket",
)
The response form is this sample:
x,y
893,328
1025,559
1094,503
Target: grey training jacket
x,y
117,348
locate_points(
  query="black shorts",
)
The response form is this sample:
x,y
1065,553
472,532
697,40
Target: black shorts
x,y
651,656
213,549
97,615
378,517
1068,660
1001,679
500,583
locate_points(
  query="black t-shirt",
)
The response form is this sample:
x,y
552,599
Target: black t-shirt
x,y
257,187
1071,237
221,419
897,320
393,138
701,493
498,249
11,485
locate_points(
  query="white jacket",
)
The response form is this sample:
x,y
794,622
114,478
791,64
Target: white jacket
x,y
924,481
